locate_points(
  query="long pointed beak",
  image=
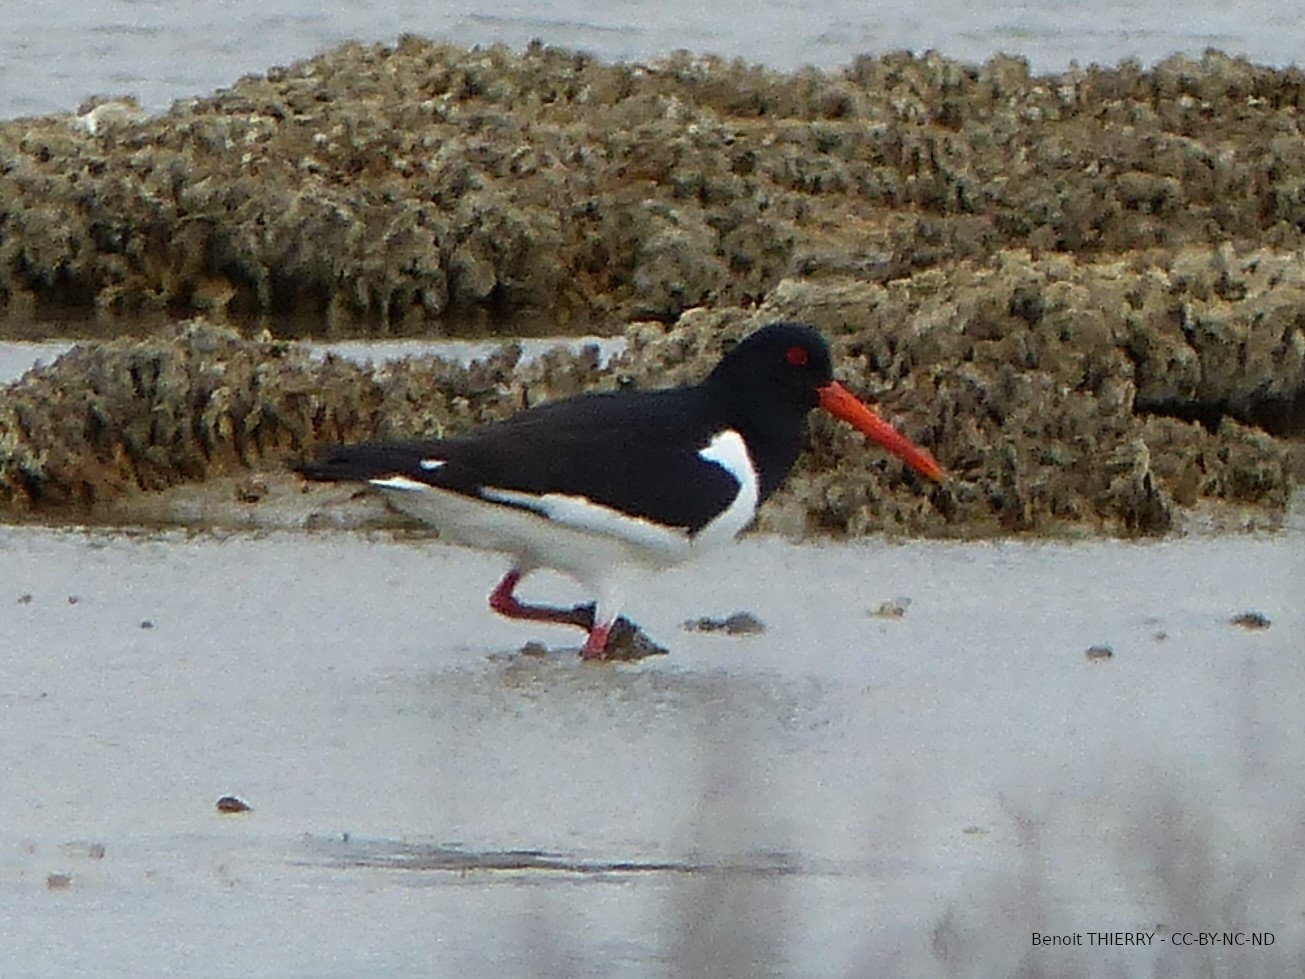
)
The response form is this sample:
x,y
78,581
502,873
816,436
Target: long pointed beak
x,y
842,403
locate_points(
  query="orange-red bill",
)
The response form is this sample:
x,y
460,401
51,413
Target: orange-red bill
x,y
842,403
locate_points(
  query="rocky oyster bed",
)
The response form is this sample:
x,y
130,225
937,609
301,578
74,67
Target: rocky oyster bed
x,y
1062,440
399,187
1085,292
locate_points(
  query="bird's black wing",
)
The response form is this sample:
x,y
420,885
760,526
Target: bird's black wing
x,y
633,452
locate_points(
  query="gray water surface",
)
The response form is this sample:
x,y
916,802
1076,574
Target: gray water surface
x,y
55,53
846,794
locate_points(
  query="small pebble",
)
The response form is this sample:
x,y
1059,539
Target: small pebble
x,y
1251,620
1099,653
58,882
146,624
251,490
74,599
231,804
25,599
893,609
738,624
628,643
88,849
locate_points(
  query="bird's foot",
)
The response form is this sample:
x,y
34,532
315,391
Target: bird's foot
x,y
595,647
620,640
626,643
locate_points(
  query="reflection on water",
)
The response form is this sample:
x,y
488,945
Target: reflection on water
x,y
712,704
344,852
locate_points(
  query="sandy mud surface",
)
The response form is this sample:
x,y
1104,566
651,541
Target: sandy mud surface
x,y
923,757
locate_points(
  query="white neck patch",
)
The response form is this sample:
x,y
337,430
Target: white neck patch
x,y
728,450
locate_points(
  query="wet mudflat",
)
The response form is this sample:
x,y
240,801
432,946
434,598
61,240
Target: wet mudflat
x,y
914,766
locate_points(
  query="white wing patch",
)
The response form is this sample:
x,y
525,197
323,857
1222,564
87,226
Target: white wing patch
x,y
400,483
584,514
431,464
728,450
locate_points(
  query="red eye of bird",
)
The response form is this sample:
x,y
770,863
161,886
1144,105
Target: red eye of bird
x,y
797,356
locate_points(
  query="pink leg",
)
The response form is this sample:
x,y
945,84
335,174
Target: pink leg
x,y
505,603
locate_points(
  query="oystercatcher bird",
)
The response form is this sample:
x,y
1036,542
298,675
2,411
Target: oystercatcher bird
x,y
605,483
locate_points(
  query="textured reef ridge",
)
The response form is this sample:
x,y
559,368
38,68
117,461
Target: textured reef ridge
x,y
1085,291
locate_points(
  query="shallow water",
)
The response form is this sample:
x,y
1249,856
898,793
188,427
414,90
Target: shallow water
x,y
53,53
824,799
17,357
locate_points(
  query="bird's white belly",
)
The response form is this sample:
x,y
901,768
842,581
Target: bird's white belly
x,y
585,553
570,533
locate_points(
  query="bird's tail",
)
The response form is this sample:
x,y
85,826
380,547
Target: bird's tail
x,y
343,463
